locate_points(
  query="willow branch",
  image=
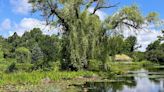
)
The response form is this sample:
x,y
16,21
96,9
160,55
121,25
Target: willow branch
x,y
131,25
98,7
54,12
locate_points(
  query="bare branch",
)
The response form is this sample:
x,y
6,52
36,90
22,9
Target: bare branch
x,y
89,4
98,6
54,12
128,24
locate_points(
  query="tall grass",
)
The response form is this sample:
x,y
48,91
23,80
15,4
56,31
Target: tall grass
x,y
36,76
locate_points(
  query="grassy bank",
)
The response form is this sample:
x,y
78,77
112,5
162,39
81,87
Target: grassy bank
x,y
36,76
37,79
124,67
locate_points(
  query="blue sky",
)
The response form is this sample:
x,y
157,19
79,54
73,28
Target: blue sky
x,y
7,8
15,16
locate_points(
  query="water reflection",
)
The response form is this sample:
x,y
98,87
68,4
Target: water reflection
x,y
141,82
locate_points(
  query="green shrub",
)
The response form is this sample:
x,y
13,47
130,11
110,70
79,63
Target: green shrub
x,y
138,56
94,65
37,56
19,67
155,55
147,63
1,54
56,66
11,67
23,66
23,55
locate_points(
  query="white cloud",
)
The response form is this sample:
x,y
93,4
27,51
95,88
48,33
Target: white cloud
x,y
28,24
144,36
5,25
20,6
102,15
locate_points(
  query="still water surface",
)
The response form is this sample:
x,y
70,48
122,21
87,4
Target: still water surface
x,y
136,81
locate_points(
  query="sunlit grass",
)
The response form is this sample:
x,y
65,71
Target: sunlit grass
x,y
36,76
123,67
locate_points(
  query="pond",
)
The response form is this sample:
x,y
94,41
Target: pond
x,y
135,81
143,80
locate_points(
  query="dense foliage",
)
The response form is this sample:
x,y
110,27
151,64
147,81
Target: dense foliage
x,y
155,50
84,35
33,50
43,51
85,40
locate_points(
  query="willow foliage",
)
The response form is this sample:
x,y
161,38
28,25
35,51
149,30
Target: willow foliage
x,y
84,34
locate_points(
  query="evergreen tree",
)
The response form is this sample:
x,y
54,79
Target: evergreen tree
x,y
37,56
14,40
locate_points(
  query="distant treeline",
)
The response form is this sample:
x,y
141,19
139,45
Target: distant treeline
x,y
34,50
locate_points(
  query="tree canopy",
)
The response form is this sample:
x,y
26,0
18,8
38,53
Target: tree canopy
x,y
84,34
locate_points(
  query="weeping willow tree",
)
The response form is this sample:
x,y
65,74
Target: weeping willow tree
x,y
84,34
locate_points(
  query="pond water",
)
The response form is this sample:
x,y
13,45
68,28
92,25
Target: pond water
x,y
136,81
